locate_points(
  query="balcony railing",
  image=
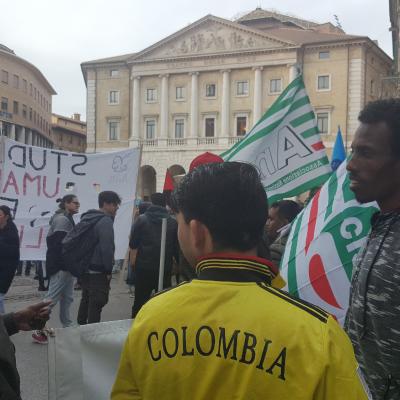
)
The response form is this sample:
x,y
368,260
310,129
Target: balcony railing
x,y
211,142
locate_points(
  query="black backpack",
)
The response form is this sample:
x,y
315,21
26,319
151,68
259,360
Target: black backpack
x,y
78,247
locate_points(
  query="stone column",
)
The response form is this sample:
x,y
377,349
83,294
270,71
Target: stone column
x,y
194,106
29,136
293,72
135,112
12,132
164,107
258,90
225,103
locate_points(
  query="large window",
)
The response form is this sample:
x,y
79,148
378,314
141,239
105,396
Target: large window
x,y
242,88
25,85
4,104
16,81
179,128
210,127
275,86
241,125
180,93
324,82
113,97
4,76
114,73
151,95
323,122
150,129
15,107
211,90
24,110
113,130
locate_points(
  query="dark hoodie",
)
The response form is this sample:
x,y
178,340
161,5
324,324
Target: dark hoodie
x,y
146,238
9,255
103,255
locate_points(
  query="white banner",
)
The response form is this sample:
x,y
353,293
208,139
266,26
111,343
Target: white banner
x,y
83,361
32,178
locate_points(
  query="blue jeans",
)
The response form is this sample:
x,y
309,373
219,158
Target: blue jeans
x,y
61,288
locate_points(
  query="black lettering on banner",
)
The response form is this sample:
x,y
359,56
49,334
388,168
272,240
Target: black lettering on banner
x,y
44,160
198,344
164,342
263,354
79,164
247,346
10,155
279,362
155,334
185,351
59,154
225,347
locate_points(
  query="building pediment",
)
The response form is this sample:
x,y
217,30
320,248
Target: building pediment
x,y
210,35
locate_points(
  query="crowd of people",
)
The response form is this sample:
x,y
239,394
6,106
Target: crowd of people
x,y
227,329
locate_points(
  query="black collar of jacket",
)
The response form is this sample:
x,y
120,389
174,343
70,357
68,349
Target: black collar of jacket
x,y
235,268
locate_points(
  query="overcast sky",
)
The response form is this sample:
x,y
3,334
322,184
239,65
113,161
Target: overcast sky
x,y
57,35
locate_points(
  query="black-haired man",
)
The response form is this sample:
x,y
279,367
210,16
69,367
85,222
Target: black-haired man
x,y
280,216
145,245
373,318
96,282
231,334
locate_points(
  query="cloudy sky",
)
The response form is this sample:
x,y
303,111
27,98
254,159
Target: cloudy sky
x,y
57,35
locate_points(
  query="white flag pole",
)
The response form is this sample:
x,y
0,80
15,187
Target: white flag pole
x,y
162,254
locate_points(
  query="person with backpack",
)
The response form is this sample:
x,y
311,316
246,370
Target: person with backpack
x,y
61,284
92,243
145,245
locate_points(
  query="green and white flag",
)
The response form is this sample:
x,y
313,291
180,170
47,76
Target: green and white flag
x,y
323,244
285,146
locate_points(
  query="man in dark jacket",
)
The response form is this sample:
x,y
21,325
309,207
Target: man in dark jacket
x,y
96,282
32,317
373,317
146,244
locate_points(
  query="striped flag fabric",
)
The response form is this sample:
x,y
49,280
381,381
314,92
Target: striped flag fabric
x,y
285,146
323,244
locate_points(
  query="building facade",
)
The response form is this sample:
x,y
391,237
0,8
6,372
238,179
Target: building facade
x,y
68,133
26,98
202,88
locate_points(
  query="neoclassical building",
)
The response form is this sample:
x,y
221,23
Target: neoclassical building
x,y
26,98
202,88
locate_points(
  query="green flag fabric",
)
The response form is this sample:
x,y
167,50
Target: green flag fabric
x,y
285,146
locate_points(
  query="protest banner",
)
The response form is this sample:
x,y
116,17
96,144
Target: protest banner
x,y
285,146
323,244
32,178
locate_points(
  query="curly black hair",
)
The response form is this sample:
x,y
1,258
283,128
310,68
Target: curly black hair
x,y
387,111
229,199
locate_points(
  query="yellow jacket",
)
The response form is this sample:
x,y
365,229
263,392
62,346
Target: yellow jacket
x,y
231,335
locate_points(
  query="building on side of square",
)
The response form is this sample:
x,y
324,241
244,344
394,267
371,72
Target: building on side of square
x,y
201,88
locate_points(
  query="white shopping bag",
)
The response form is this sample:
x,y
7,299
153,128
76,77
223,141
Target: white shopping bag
x,y
83,360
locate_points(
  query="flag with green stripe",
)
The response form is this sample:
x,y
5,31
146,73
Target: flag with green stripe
x,y
324,240
285,146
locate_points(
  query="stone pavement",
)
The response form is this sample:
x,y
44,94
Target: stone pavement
x,y
32,357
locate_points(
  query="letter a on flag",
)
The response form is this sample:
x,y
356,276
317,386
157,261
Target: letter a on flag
x,y
285,146
323,244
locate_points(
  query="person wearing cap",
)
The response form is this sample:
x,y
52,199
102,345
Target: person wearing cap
x,y
231,333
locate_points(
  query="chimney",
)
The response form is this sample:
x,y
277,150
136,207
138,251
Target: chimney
x,y
76,117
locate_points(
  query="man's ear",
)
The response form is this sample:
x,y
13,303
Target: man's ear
x,y
201,237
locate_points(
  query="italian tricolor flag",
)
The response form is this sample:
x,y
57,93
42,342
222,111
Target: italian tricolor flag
x,y
324,241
